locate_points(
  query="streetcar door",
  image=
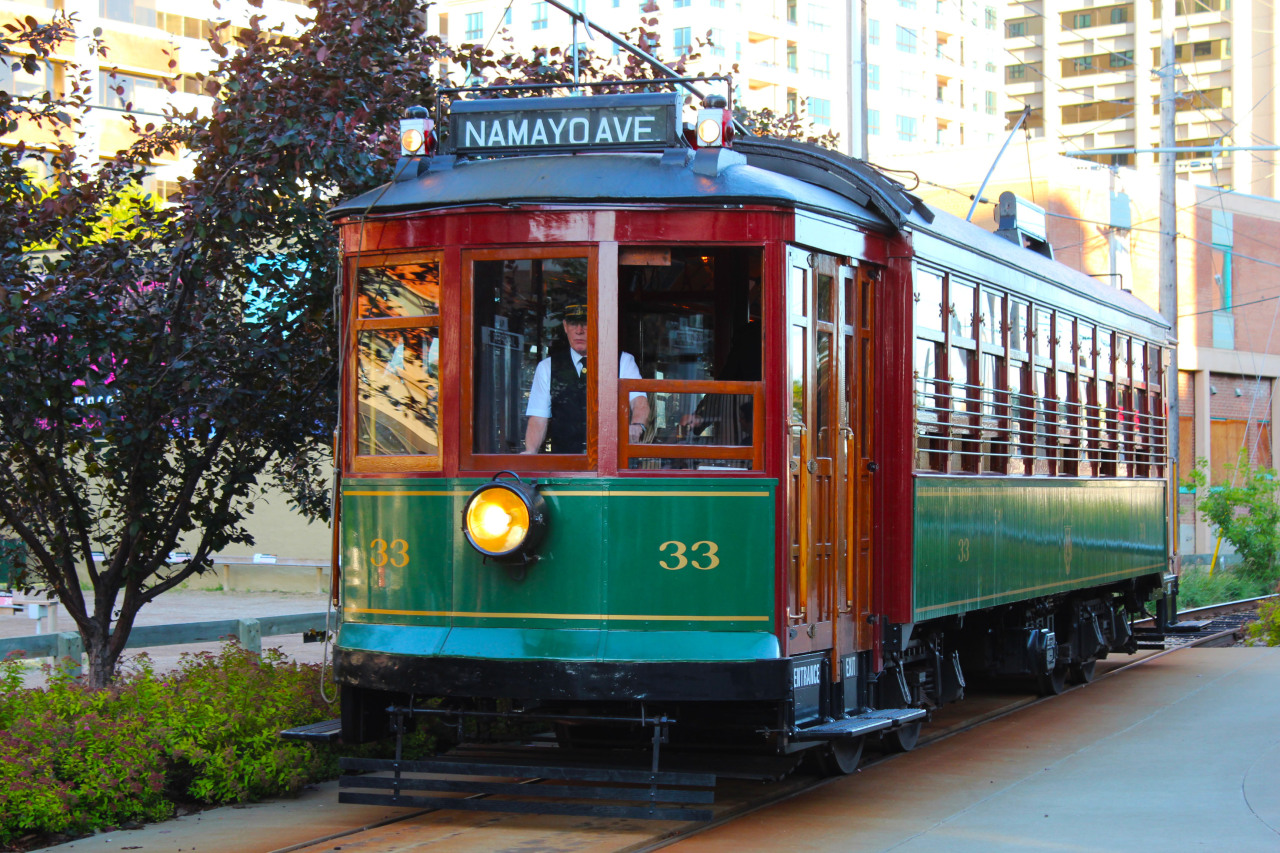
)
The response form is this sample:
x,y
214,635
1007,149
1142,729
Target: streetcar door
x,y
857,289
817,485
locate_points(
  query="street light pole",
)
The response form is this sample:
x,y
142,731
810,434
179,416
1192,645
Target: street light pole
x,y
1169,257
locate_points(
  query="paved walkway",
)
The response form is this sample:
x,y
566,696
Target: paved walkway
x,y
1180,754
193,606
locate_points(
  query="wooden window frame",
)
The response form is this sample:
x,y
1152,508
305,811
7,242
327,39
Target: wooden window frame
x,y
358,463
468,459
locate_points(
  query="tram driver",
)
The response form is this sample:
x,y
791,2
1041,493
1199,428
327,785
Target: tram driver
x,y
558,399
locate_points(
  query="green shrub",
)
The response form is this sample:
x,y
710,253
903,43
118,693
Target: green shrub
x,y
1196,588
1245,512
73,759
225,720
1266,631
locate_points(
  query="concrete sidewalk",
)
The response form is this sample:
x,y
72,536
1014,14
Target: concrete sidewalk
x,y
1180,754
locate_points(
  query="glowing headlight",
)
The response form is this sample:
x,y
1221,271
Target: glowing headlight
x,y
709,131
411,141
505,519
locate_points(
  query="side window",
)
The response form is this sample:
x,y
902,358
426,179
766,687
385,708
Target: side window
x,y
932,392
690,341
397,377
531,387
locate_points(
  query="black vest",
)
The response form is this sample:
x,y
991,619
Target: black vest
x,y
568,426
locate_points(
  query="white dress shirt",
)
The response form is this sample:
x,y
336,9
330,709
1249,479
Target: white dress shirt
x,y
540,394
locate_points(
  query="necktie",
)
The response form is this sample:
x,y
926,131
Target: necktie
x,y
583,365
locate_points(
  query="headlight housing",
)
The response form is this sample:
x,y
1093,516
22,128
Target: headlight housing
x,y
505,519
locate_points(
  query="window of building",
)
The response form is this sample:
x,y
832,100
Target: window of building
x,y
1203,48
475,26
793,57
1081,20
793,101
907,85
1120,14
1015,72
23,84
907,4
989,17
506,17
1122,59
539,16
873,31
140,12
717,4
118,91
792,13
873,78
873,122
906,128
683,41
820,111
1015,29
990,100
716,37
680,4
907,40
817,18
820,64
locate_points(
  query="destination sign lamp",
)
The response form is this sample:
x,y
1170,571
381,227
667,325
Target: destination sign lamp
x,y
714,128
417,133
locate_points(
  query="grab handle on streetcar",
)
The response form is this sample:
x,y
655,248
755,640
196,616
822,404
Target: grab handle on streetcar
x,y
797,428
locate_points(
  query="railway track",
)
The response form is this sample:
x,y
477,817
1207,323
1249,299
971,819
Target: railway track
x,y
1217,625
1222,624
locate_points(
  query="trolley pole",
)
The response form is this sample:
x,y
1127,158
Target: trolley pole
x,y
1169,259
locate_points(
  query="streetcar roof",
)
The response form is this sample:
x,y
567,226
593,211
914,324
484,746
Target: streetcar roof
x,y
603,178
757,171
979,243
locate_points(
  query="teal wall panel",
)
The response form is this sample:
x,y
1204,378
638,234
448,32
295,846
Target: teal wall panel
x,y
981,542
664,558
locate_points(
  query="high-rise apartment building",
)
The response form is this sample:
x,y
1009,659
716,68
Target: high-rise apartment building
x,y
1090,71
793,55
140,38
932,67
934,74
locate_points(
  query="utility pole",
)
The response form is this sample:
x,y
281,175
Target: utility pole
x,y
1169,254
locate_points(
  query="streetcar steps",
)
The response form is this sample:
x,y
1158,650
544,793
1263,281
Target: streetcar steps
x,y
528,788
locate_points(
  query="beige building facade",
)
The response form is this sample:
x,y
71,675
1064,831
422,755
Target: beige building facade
x,y
1089,70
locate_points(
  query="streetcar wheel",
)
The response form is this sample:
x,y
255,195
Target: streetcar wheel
x,y
839,757
904,738
1082,673
1053,683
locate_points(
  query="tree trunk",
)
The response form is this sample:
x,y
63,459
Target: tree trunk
x,y
102,662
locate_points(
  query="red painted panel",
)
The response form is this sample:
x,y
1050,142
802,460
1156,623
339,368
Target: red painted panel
x,y
500,227
893,432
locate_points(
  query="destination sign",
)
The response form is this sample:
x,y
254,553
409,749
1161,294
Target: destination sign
x,y
643,122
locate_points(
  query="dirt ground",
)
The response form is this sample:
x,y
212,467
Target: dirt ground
x,y
189,606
